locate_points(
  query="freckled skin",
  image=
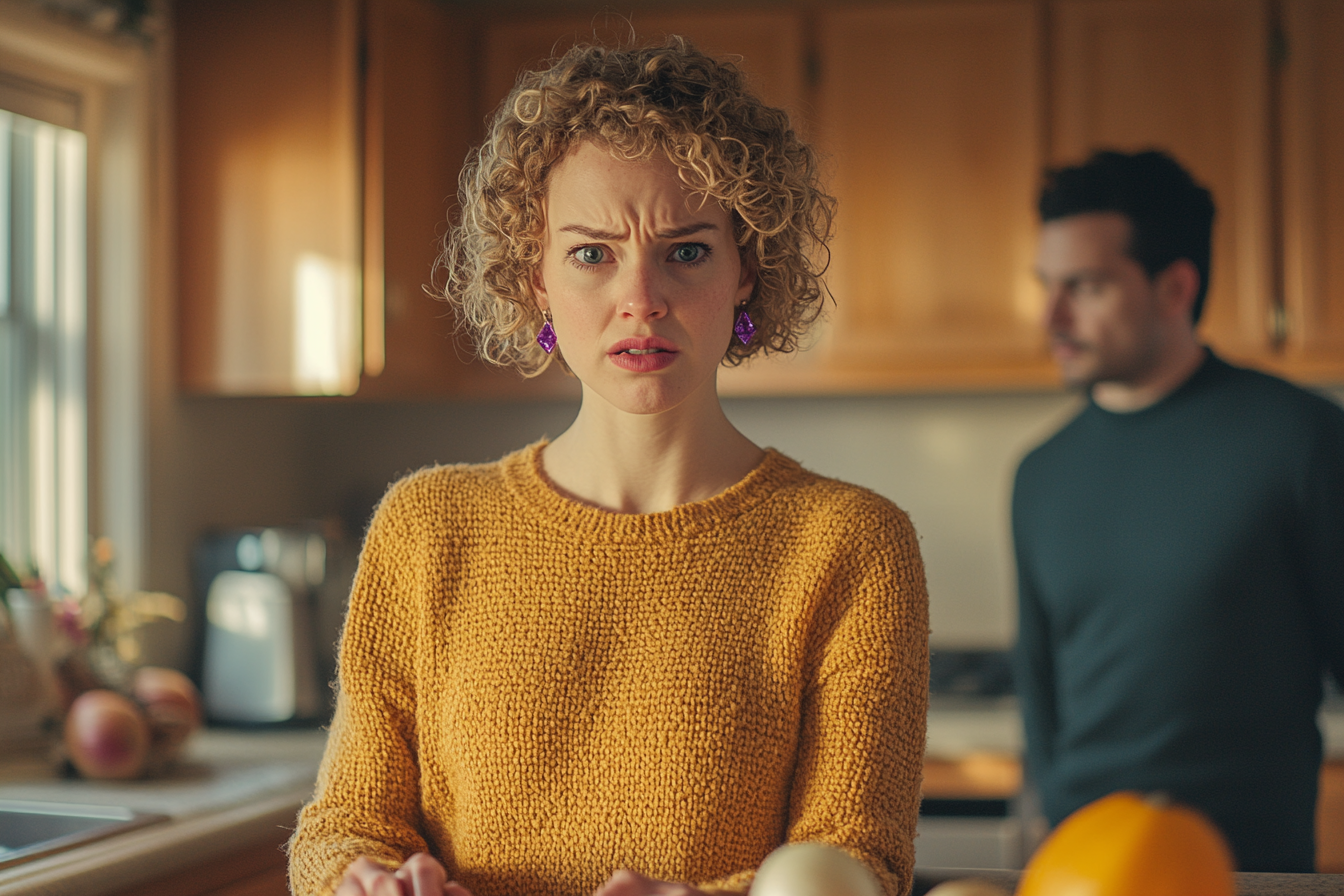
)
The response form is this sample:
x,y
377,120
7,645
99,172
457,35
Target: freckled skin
x,y
629,253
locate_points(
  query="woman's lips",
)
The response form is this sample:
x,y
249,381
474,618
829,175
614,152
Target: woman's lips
x,y
643,355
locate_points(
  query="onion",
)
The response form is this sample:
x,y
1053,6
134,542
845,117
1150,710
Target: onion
x,y
813,869
173,707
106,735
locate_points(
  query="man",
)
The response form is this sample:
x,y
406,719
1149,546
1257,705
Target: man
x,y
1180,543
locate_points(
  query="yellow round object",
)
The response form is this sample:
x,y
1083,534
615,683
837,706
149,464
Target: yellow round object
x,y
1128,844
813,869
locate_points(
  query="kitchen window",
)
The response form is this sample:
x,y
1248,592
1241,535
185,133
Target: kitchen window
x,y
43,327
82,256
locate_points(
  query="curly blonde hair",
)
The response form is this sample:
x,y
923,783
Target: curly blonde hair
x,y
726,144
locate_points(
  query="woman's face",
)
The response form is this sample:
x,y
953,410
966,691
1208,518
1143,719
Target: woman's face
x,y
641,278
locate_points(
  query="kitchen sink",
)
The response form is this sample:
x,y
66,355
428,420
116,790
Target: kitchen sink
x,y
29,829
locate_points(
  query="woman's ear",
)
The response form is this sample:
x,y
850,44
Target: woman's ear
x,y
747,281
539,289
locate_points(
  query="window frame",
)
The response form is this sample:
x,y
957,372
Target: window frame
x,y
117,81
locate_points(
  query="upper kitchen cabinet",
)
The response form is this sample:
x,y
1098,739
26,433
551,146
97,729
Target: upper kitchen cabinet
x,y
421,119
1191,77
320,141
268,235
930,116
319,144
768,43
1312,100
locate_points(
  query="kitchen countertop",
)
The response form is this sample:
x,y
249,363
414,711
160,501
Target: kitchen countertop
x,y
959,726
231,789
234,789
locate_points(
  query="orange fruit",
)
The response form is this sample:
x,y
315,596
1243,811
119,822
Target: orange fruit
x,y
1128,844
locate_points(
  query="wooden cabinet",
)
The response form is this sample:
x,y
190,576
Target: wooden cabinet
x,y
930,116
1191,77
1312,127
1246,94
267,190
422,116
318,148
259,870
1330,819
769,44
935,119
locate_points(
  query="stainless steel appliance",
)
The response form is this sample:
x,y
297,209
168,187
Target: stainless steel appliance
x,y
271,601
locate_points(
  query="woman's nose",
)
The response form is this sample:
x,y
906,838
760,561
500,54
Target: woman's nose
x,y
643,292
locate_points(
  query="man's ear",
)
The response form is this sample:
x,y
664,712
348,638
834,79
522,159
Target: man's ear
x,y
1177,286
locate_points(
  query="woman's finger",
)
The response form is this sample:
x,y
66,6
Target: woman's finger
x,y
625,882
349,886
422,875
630,883
365,877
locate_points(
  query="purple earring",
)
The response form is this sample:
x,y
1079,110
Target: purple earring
x,y
744,328
546,335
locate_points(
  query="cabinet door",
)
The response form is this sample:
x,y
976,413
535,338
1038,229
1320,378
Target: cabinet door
x,y
1190,77
769,44
930,118
257,870
1313,189
421,118
267,190
1330,819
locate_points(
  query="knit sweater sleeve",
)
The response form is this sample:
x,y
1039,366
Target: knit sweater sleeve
x,y
367,796
865,705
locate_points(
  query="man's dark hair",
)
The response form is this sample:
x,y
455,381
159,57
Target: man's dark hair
x,y
1170,216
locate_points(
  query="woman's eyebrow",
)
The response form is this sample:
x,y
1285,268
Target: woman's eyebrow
x,y
675,233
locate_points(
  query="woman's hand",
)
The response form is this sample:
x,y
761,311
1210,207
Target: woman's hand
x,y
628,883
420,875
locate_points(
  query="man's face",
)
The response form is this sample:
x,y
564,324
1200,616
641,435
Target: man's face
x,y
1102,311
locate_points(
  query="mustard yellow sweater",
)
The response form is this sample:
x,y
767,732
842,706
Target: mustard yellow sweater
x,y
540,693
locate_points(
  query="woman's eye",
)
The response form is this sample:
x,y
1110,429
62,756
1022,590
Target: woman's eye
x,y
689,253
588,255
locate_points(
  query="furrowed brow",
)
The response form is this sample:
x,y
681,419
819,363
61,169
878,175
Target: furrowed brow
x,y
675,233
679,232
591,232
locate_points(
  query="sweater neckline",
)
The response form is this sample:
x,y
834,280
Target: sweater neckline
x,y
527,480
1210,368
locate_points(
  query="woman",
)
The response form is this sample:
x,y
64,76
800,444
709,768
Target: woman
x,y
639,657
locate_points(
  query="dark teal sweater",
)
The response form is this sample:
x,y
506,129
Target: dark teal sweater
x,y
1181,592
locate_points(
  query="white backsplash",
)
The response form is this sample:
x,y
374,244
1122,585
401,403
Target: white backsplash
x,y
947,459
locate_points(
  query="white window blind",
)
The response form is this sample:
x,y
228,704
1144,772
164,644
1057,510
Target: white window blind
x,y
43,324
